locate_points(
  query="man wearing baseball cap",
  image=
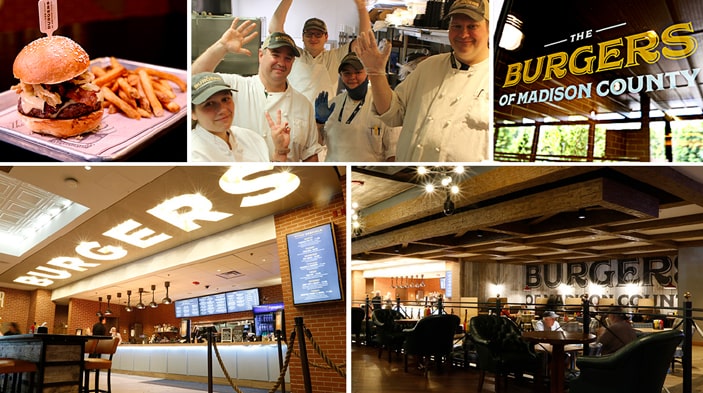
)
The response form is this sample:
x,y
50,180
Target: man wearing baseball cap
x,y
214,138
316,69
267,93
351,132
443,105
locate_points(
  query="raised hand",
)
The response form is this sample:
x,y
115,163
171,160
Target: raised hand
x,y
280,133
367,50
322,111
236,37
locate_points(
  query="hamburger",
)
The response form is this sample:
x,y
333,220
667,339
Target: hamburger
x,y
57,93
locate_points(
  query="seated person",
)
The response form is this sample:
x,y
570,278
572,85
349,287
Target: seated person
x,y
616,333
548,322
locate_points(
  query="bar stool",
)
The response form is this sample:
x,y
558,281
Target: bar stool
x,y
105,346
15,368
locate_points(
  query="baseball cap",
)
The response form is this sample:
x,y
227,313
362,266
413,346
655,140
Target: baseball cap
x,y
474,9
352,60
550,314
316,24
205,84
278,40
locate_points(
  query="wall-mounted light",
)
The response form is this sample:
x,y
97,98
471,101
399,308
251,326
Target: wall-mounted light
x,y
166,300
512,33
140,305
153,304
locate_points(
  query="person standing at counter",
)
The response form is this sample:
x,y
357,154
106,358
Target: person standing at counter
x,y
316,69
352,132
268,91
214,139
443,105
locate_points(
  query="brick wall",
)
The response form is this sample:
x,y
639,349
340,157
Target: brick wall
x,y
327,322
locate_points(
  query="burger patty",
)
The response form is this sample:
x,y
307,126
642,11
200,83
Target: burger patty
x,y
75,102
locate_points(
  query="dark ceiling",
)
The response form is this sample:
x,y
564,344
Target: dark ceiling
x,y
523,215
549,25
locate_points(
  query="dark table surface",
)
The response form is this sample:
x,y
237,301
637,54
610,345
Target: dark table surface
x,y
155,39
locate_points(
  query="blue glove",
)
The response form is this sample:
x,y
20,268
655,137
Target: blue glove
x,y
322,111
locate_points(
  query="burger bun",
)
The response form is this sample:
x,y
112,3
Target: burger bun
x,y
50,60
64,128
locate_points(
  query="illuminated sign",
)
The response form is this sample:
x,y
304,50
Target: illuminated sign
x,y
181,211
619,53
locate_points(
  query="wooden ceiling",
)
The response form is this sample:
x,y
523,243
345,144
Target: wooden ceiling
x,y
549,27
526,215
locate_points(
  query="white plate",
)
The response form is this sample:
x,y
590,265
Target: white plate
x,y
118,135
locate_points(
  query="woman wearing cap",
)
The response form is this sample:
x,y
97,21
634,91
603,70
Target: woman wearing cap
x,y
316,69
350,130
443,106
215,139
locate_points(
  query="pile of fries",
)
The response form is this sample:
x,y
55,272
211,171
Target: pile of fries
x,y
141,92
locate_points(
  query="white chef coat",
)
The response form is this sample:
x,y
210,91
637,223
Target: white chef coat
x,y
444,112
252,102
247,146
312,75
366,138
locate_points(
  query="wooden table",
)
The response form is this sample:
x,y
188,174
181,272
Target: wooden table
x,y
558,339
59,358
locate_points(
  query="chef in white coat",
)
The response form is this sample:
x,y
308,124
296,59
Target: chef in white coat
x,y
443,106
316,69
214,138
350,129
264,94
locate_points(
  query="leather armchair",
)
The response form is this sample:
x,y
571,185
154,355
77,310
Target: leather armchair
x,y
388,334
502,351
432,336
639,366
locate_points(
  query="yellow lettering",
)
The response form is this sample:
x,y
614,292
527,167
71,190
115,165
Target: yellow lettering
x,y
688,43
647,52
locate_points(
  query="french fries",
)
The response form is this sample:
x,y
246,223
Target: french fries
x,y
138,93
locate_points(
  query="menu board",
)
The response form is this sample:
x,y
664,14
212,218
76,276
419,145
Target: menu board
x,y
244,300
314,271
212,304
187,308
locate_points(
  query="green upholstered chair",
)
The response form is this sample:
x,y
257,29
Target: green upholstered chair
x,y
638,367
502,351
432,337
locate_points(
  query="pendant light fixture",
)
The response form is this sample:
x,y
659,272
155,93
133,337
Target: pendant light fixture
x,y
107,310
100,307
140,305
129,299
166,300
153,304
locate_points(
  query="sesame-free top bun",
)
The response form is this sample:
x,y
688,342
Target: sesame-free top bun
x,y
64,128
50,60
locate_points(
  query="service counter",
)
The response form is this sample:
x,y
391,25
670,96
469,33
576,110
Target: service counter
x,y
255,361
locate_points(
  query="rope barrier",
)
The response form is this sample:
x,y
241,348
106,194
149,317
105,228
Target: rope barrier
x,y
289,351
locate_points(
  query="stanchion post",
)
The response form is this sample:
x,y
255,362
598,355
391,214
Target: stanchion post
x,y
280,359
209,360
687,344
303,354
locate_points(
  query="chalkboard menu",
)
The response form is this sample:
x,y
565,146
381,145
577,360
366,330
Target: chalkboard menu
x,y
212,304
244,300
187,308
314,271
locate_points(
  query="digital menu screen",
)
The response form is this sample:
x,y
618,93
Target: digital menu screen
x,y
244,300
212,304
187,308
314,271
